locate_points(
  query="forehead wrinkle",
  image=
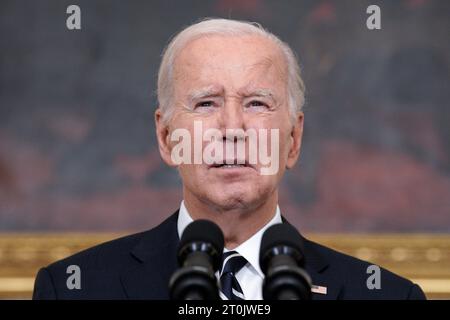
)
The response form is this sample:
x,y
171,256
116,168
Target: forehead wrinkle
x,y
266,63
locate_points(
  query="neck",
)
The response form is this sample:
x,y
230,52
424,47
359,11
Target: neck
x,y
237,224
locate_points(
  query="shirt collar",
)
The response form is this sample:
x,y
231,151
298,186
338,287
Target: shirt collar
x,y
249,249
184,218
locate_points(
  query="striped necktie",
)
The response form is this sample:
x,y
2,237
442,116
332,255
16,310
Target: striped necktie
x,y
232,262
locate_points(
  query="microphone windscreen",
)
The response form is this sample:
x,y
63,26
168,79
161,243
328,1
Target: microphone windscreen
x,y
203,231
281,234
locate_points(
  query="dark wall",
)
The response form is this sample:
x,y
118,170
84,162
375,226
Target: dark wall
x,y
77,142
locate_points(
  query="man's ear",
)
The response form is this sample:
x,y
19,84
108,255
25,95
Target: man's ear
x,y
163,136
296,140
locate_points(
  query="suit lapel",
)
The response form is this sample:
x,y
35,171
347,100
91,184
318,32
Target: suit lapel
x,y
320,270
155,256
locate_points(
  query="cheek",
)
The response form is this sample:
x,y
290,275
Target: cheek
x,y
285,142
282,136
192,176
284,146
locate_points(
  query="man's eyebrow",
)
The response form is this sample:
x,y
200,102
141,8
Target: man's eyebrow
x,y
259,92
209,91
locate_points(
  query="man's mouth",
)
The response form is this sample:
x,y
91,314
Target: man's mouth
x,y
225,166
231,165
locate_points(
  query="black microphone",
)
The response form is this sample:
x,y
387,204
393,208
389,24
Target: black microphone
x,y
281,259
199,257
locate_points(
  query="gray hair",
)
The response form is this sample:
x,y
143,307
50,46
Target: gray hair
x,y
225,27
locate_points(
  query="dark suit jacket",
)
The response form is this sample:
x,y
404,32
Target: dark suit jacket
x,y
139,267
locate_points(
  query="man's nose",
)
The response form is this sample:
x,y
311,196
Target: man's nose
x,y
232,116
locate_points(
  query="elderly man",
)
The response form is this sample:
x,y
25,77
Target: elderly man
x,y
221,75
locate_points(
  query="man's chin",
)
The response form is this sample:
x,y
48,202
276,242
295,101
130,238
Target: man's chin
x,y
231,202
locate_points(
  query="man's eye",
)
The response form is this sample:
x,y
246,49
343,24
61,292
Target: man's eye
x,y
256,103
204,104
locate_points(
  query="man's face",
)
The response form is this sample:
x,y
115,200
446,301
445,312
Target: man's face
x,y
232,83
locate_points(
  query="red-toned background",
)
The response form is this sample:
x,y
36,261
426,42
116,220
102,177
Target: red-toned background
x,y
77,143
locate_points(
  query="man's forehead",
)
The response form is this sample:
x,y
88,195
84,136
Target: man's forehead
x,y
227,53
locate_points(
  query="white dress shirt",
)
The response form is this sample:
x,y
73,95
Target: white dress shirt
x,y
250,277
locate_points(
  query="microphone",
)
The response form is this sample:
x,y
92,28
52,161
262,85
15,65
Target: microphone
x,y
199,257
281,259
